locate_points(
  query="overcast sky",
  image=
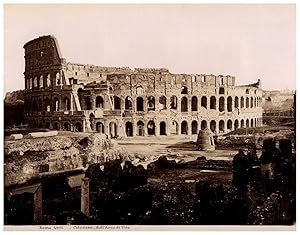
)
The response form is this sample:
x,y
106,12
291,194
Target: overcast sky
x,y
245,41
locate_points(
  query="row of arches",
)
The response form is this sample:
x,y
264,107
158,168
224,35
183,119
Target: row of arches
x,y
150,128
46,104
149,103
56,125
40,81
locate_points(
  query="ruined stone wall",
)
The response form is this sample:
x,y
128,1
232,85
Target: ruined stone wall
x,y
28,158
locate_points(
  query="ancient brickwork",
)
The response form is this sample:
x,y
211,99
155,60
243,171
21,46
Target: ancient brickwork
x,y
119,101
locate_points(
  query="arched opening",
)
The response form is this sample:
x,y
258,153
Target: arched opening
x,y
236,124
247,91
229,104
213,102
41,124
173,102
221,104
128,103
140,126
100,127
129,129
78,127
88,103
255,102
242,102
67,103
151,128
162,128
184,104
67,126
184,90
236,102
92,121
47,105
204,102
113,131
184,128
242,123
251,102
251,122
229,125
162,102
174,128
194,127
247,102
117,103
56,126
203,125
221,126
194,103
56,104
247,123
213,126
47,125
139,104
151,103
99,102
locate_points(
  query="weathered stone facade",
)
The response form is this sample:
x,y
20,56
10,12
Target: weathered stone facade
x,y
131,102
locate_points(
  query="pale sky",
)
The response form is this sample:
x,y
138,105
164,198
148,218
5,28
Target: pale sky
x,y
245,41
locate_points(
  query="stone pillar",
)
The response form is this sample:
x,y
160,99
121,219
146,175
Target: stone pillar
x,y
85,196
189,128
38,204
93,101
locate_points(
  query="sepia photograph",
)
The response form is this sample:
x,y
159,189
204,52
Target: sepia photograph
x,y
149,117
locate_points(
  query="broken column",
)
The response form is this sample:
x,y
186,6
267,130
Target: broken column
x,y
85,196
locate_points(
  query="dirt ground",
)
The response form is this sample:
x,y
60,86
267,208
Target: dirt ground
x,y
182,146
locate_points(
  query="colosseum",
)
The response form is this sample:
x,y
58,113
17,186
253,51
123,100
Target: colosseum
x,y
120,101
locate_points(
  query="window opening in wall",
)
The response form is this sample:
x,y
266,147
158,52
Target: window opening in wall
x,y
162,128
212,102
88,74
204,101
221,104
139,104
128,103
99,102
221,126
151,128
194,103
229,104
117,103
229,125
236,102
140,126
203,125
213,126
162,102
247,91
151,103
194,127
184,104
173,102
184,128
184,90
221,90
129,129
100,127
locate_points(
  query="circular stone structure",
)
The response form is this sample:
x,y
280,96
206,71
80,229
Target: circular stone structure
x,y
205,140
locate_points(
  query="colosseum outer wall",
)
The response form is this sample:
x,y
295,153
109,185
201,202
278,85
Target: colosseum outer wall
x,y
131,102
